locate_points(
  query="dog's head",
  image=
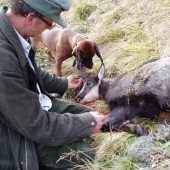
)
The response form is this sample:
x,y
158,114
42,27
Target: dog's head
x,y
84,52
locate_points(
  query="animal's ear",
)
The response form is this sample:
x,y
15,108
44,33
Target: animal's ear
x,y
97,51
78,55
101,72
74,54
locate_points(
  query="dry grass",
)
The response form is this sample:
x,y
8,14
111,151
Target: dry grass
x,y
128,32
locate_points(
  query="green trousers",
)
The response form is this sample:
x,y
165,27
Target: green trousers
x,y
66,155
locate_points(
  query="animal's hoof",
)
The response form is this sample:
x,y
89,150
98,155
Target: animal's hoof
x,y
139,130
124,126
132,128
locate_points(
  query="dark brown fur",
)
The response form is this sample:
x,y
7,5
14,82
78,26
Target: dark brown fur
x,y
143,92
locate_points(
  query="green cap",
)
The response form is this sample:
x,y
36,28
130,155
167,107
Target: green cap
x,y
51,9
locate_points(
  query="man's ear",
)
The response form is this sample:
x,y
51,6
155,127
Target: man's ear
x,y
29,19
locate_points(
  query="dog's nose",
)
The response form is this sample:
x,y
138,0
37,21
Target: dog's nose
x,y
91,67
88,64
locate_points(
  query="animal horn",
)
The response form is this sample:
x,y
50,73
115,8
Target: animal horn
x,y
81,72
101,73
74,62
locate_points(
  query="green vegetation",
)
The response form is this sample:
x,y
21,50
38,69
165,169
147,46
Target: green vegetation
x,y
84,10
110,35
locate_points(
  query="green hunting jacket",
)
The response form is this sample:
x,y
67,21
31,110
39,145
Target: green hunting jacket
x,y
22,120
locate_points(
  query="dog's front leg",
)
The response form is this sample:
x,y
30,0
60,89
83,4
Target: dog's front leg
x,y
58,66
50,55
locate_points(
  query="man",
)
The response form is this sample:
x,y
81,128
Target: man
x,y
36,130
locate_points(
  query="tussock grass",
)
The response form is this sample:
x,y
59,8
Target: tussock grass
x,y
83,10
108,36
128,33
111,150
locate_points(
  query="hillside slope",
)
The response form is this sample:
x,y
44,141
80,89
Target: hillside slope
x,y
128,32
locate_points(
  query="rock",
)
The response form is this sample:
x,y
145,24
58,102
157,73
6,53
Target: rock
x,y
145,150
161,133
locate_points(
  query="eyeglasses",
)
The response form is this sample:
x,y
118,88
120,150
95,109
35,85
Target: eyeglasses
x,y
51,25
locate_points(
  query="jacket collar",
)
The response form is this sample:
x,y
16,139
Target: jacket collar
x,y
11,35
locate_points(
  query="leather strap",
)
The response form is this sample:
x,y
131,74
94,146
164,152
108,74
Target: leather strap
x,y
79,39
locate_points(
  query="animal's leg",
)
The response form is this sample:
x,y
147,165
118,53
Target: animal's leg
x,y
58,67
120,114
126,126
117,120
50,55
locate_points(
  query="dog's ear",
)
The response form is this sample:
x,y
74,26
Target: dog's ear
x,y
74,54
97,51
74,62
77,55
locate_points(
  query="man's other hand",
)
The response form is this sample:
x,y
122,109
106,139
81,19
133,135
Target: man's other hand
x,y
74,82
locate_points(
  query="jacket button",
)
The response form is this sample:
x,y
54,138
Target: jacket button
x,y
92,123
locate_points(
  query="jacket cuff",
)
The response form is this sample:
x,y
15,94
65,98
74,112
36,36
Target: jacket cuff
x,y
90,122
90,119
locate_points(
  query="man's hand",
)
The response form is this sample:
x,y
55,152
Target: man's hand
x,y
74,82
100,121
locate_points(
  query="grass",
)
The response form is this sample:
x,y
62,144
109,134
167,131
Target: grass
x,y
84,10
110,35
128,33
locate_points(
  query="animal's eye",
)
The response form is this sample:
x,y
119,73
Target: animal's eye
x,y
89,83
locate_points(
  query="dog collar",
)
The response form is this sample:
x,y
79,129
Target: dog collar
x,y
79,40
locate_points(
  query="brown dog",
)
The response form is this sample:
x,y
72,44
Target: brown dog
x,y
65,43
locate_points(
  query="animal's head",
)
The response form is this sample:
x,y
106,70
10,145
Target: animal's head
x,y
90,90
84,53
